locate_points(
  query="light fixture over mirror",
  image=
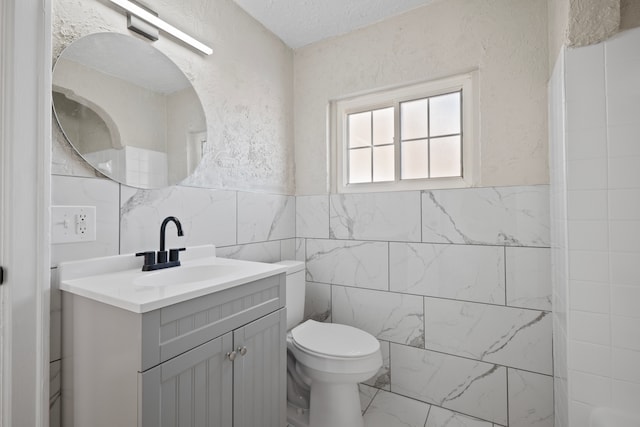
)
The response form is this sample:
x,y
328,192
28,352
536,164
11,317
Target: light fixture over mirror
x,y
128,110
158,23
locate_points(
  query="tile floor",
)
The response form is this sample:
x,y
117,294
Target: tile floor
x,y
384,409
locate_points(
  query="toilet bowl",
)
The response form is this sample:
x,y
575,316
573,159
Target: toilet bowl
x,y
326,362
334,358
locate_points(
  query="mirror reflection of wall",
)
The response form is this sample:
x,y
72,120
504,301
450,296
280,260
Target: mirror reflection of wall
x,y
128,110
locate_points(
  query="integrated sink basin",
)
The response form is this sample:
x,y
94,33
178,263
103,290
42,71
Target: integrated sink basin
x,y
186,274
119,280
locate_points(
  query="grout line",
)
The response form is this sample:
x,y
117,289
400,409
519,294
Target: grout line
x,y
377,390
505,276
469,358
507,395
428,412
389,266
474,417
417,242
433,297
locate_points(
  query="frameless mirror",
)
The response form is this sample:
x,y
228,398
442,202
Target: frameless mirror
x,y
128,110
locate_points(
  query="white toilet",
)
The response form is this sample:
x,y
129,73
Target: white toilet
x,y
326,361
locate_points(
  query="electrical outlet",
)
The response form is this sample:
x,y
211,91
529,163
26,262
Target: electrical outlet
x,y
73,224
81,223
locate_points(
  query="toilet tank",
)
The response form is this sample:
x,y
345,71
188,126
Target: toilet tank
x,y
295,292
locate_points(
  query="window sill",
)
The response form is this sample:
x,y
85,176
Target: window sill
x,y
406,185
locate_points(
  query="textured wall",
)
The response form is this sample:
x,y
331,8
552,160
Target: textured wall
x,y
592,21
558,13
505,39
245,88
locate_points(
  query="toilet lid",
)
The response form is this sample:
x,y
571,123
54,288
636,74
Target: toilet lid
x,y
335,340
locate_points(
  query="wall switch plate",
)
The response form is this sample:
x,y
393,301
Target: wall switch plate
x,y
73,224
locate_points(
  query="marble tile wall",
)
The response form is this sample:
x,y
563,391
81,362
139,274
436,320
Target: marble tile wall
x,y
464,325
242,225
456,286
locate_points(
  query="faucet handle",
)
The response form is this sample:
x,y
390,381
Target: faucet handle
x,y
174,254
149,257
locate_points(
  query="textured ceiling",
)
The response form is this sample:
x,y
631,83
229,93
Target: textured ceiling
x,y
301,22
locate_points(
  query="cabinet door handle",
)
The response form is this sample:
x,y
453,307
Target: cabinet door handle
x,y
232,355
242,350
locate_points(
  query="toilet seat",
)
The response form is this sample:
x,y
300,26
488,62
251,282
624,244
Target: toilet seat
x,y
340,355
333,340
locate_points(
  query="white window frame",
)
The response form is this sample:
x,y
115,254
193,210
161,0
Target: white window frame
x,y
340,109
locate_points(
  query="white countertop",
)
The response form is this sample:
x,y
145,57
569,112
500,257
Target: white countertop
x,y
115,280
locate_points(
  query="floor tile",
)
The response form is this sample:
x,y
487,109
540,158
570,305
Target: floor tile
x,y
393,410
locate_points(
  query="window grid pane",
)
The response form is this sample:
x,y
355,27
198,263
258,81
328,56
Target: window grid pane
x,y
446,152
371,146
440,156
360,129
383,126
360,165
383,163
430,143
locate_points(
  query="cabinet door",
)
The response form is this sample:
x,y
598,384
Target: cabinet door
x,y
194,389
260,375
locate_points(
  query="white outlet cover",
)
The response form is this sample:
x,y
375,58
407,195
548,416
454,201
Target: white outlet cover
x,y
64,228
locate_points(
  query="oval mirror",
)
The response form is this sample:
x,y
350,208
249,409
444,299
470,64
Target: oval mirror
x,y
128,110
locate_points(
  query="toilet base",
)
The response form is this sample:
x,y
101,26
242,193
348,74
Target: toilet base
x,y
335,405
297,417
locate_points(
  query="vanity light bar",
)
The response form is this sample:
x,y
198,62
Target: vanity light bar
x,y
162,25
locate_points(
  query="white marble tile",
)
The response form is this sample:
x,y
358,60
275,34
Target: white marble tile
x,y
367,393
55,320
350,263
467,272
513,216
529,277
101,193
504,335
382,379
440,417
259,252
263,217
317,302
376,216
301,250
530,399
312,216
207,217
474,388
55,402
392,410
288,249
387,316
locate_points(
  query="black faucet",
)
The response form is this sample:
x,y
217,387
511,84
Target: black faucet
x,y
162,262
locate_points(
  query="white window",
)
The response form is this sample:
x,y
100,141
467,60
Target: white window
x,y
415,137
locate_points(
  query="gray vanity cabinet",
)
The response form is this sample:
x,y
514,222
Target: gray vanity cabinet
x,y
218,360
259,390
193,389
203,387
